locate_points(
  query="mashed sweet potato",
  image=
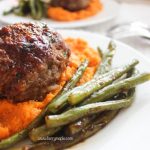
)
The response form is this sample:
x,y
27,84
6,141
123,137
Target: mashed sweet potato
x,y
15,117
61,14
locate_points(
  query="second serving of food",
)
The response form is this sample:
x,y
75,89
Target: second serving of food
x,y
55,87
59,10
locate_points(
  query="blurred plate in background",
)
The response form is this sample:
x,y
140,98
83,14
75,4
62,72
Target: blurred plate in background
x,y
110,11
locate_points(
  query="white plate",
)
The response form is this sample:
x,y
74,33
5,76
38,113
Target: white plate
x,y
111,10
130,129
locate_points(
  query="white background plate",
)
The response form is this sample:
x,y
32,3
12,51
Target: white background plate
x,y
130,130
111,9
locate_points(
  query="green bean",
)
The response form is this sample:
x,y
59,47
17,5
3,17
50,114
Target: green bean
x,y
100,52
19,10
100,82
101,121
63,119
39,133
76,77
106,59
61,101
35,123
98,123
78,94
36,7
76,127
111,46
40,11
104,67
83,111
88,88
10,11
100,64
32,8
118,87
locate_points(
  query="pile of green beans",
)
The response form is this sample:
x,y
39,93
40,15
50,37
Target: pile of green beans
x,y
35,8
79,112
78,126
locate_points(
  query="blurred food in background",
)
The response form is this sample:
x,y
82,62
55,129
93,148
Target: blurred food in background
x,y
60,10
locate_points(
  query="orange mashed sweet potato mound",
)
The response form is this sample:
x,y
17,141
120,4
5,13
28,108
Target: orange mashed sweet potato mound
x,y
17,116
61,14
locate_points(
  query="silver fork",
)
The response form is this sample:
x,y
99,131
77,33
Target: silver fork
x,y
129,29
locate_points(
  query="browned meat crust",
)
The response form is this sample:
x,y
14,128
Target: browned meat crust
x,y
32,58
72,5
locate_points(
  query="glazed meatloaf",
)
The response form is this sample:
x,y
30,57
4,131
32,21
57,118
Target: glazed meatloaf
x,y
32,58
72,5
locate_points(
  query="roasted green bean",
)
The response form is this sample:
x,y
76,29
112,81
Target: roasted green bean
x,y
76,127
105,66
101,121
36,8
61,101
37,134
98,123
118,87
83,111
106,59
78,94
